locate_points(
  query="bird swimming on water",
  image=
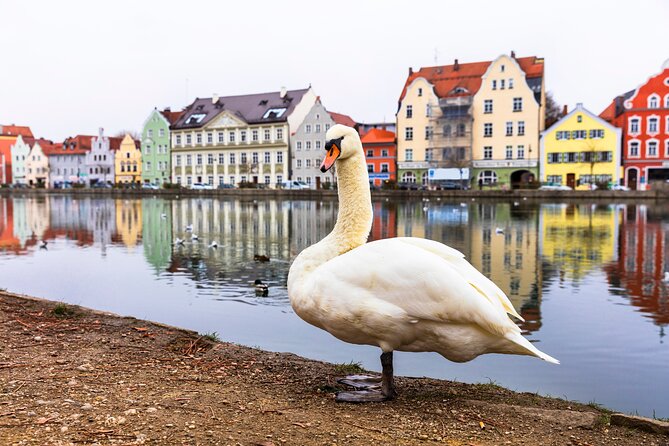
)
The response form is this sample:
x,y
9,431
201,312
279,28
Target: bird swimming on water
x,y
262,289
405,293
261,258
42,244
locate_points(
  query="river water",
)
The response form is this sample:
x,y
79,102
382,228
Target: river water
x,y
587,278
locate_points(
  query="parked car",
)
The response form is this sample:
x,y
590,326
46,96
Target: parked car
x,y
150,186
554,186
446,185
201,186
406,185
101,185
618,187
294,185
227,186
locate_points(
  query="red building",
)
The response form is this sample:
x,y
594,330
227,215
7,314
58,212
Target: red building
x,y
381,153
643,116
8,136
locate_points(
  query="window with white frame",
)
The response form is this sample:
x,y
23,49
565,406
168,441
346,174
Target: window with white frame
x,y
317,144
210,180
557,179
231,159
307,128
198,138
521,128
307,145
298,163
520,152
553,158
511,83
562,134
242,158
494,84
307,179
254,135
408,133
268,179
370,153
210,158
149,133
279,179
267,157
279,157
509,152
189,160
633,149
178,178
409,111
596,133
666,148
517,104
652,125
221,137
189,139
653,101
279,134
327,127
267,134
651,148
210,137
502,84
254,157
307,163
317,128
578,134
634,125
298,145
177,160
221,158
199,159
370,168
232,179
408,155
487,106
221,179
384,168
428,132
232,135
384,152
242,135
409,177
161,132
189,180
487,130
666,101
428,110
509,128
488,177
487,152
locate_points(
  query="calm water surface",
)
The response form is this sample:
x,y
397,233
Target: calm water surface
x,y
587,278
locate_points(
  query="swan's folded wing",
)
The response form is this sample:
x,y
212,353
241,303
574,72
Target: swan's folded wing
x,y
484,285
423,284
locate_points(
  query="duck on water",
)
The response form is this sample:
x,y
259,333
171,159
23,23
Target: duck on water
x,y
406,293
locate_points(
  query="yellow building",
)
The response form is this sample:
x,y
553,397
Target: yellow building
x,y
580,150
129,221
576,239
128,161
509,115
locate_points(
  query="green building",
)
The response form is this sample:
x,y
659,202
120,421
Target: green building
x,y
156,146
157,233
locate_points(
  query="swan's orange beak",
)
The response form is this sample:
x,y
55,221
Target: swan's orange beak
x,y
333,153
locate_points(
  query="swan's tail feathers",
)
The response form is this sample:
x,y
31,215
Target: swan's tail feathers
x,y
530,349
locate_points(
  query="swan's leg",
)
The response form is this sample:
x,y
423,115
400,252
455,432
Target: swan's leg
x,y
370,384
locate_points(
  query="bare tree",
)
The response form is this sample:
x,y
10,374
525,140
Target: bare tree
x,y
133,133
553,110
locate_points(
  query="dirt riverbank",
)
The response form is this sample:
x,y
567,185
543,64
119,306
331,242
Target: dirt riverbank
x,y
73,376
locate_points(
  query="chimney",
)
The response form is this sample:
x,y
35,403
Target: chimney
x,y
167,110
283,92
564,110
456,65
214,98
101,132
513,54
410,71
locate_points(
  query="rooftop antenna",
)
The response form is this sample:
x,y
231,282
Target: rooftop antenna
x,y
186,99
436,56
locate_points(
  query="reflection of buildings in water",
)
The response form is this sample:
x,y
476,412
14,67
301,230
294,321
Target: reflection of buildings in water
x,y
384,224
102,221
68,217
310,221
411,219
242,229
157,232
129,221
9,240
37,216
576,238
509,259
644,257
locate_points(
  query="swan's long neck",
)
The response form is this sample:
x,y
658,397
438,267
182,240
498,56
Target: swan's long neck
x,y
354,219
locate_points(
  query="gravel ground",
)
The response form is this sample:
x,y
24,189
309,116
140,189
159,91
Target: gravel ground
x,y
73,376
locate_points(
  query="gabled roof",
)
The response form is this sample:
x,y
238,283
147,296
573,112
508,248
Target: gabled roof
x,y
615,108
15,130
252,108
579,109
115,142
378,136
82,143
338,118
49,148
465,79
170,116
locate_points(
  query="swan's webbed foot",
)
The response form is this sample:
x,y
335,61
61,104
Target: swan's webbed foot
x,y
374,389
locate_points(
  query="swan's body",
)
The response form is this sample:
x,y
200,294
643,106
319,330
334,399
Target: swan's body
x,y
189,228
499,231
178,241
666,276
213,244
262,289
406,294
43,244
194,237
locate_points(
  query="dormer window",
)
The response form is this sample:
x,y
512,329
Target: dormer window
x,y
274,113
654,101
195,118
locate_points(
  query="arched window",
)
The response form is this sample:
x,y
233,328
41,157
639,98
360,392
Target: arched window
x,y
488,176
653,101
409,177
666,101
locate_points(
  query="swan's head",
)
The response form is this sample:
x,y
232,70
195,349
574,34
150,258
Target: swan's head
x,y
341,142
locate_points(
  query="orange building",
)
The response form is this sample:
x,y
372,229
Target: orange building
x,y
8,136
381,154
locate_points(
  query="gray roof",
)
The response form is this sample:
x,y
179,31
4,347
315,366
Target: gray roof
x,y
253,108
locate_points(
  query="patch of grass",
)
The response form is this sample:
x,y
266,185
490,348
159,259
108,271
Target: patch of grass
x,y
352,368
64,310
604,419
596,405
213,337
327,389
666,420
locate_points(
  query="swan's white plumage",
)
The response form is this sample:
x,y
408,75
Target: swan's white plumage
x,y
406,293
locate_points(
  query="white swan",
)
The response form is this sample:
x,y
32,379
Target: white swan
x,y
405,293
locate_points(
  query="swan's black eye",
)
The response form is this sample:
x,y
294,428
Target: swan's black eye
x,y
336,142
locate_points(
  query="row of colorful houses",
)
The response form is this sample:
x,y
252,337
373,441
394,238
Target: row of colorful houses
x,y
481,123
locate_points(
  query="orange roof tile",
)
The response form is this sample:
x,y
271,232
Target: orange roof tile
x,y
15,130
446,78
171,116
338,118
378,136
82,144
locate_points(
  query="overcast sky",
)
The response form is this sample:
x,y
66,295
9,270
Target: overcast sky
x,y
71,66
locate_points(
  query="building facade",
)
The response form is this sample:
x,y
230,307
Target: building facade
x,y
128,161
99,157
37,164
581,150
307,148
508,117
19,152
156,148
643,116
8,136
238,139
381,156
66,165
